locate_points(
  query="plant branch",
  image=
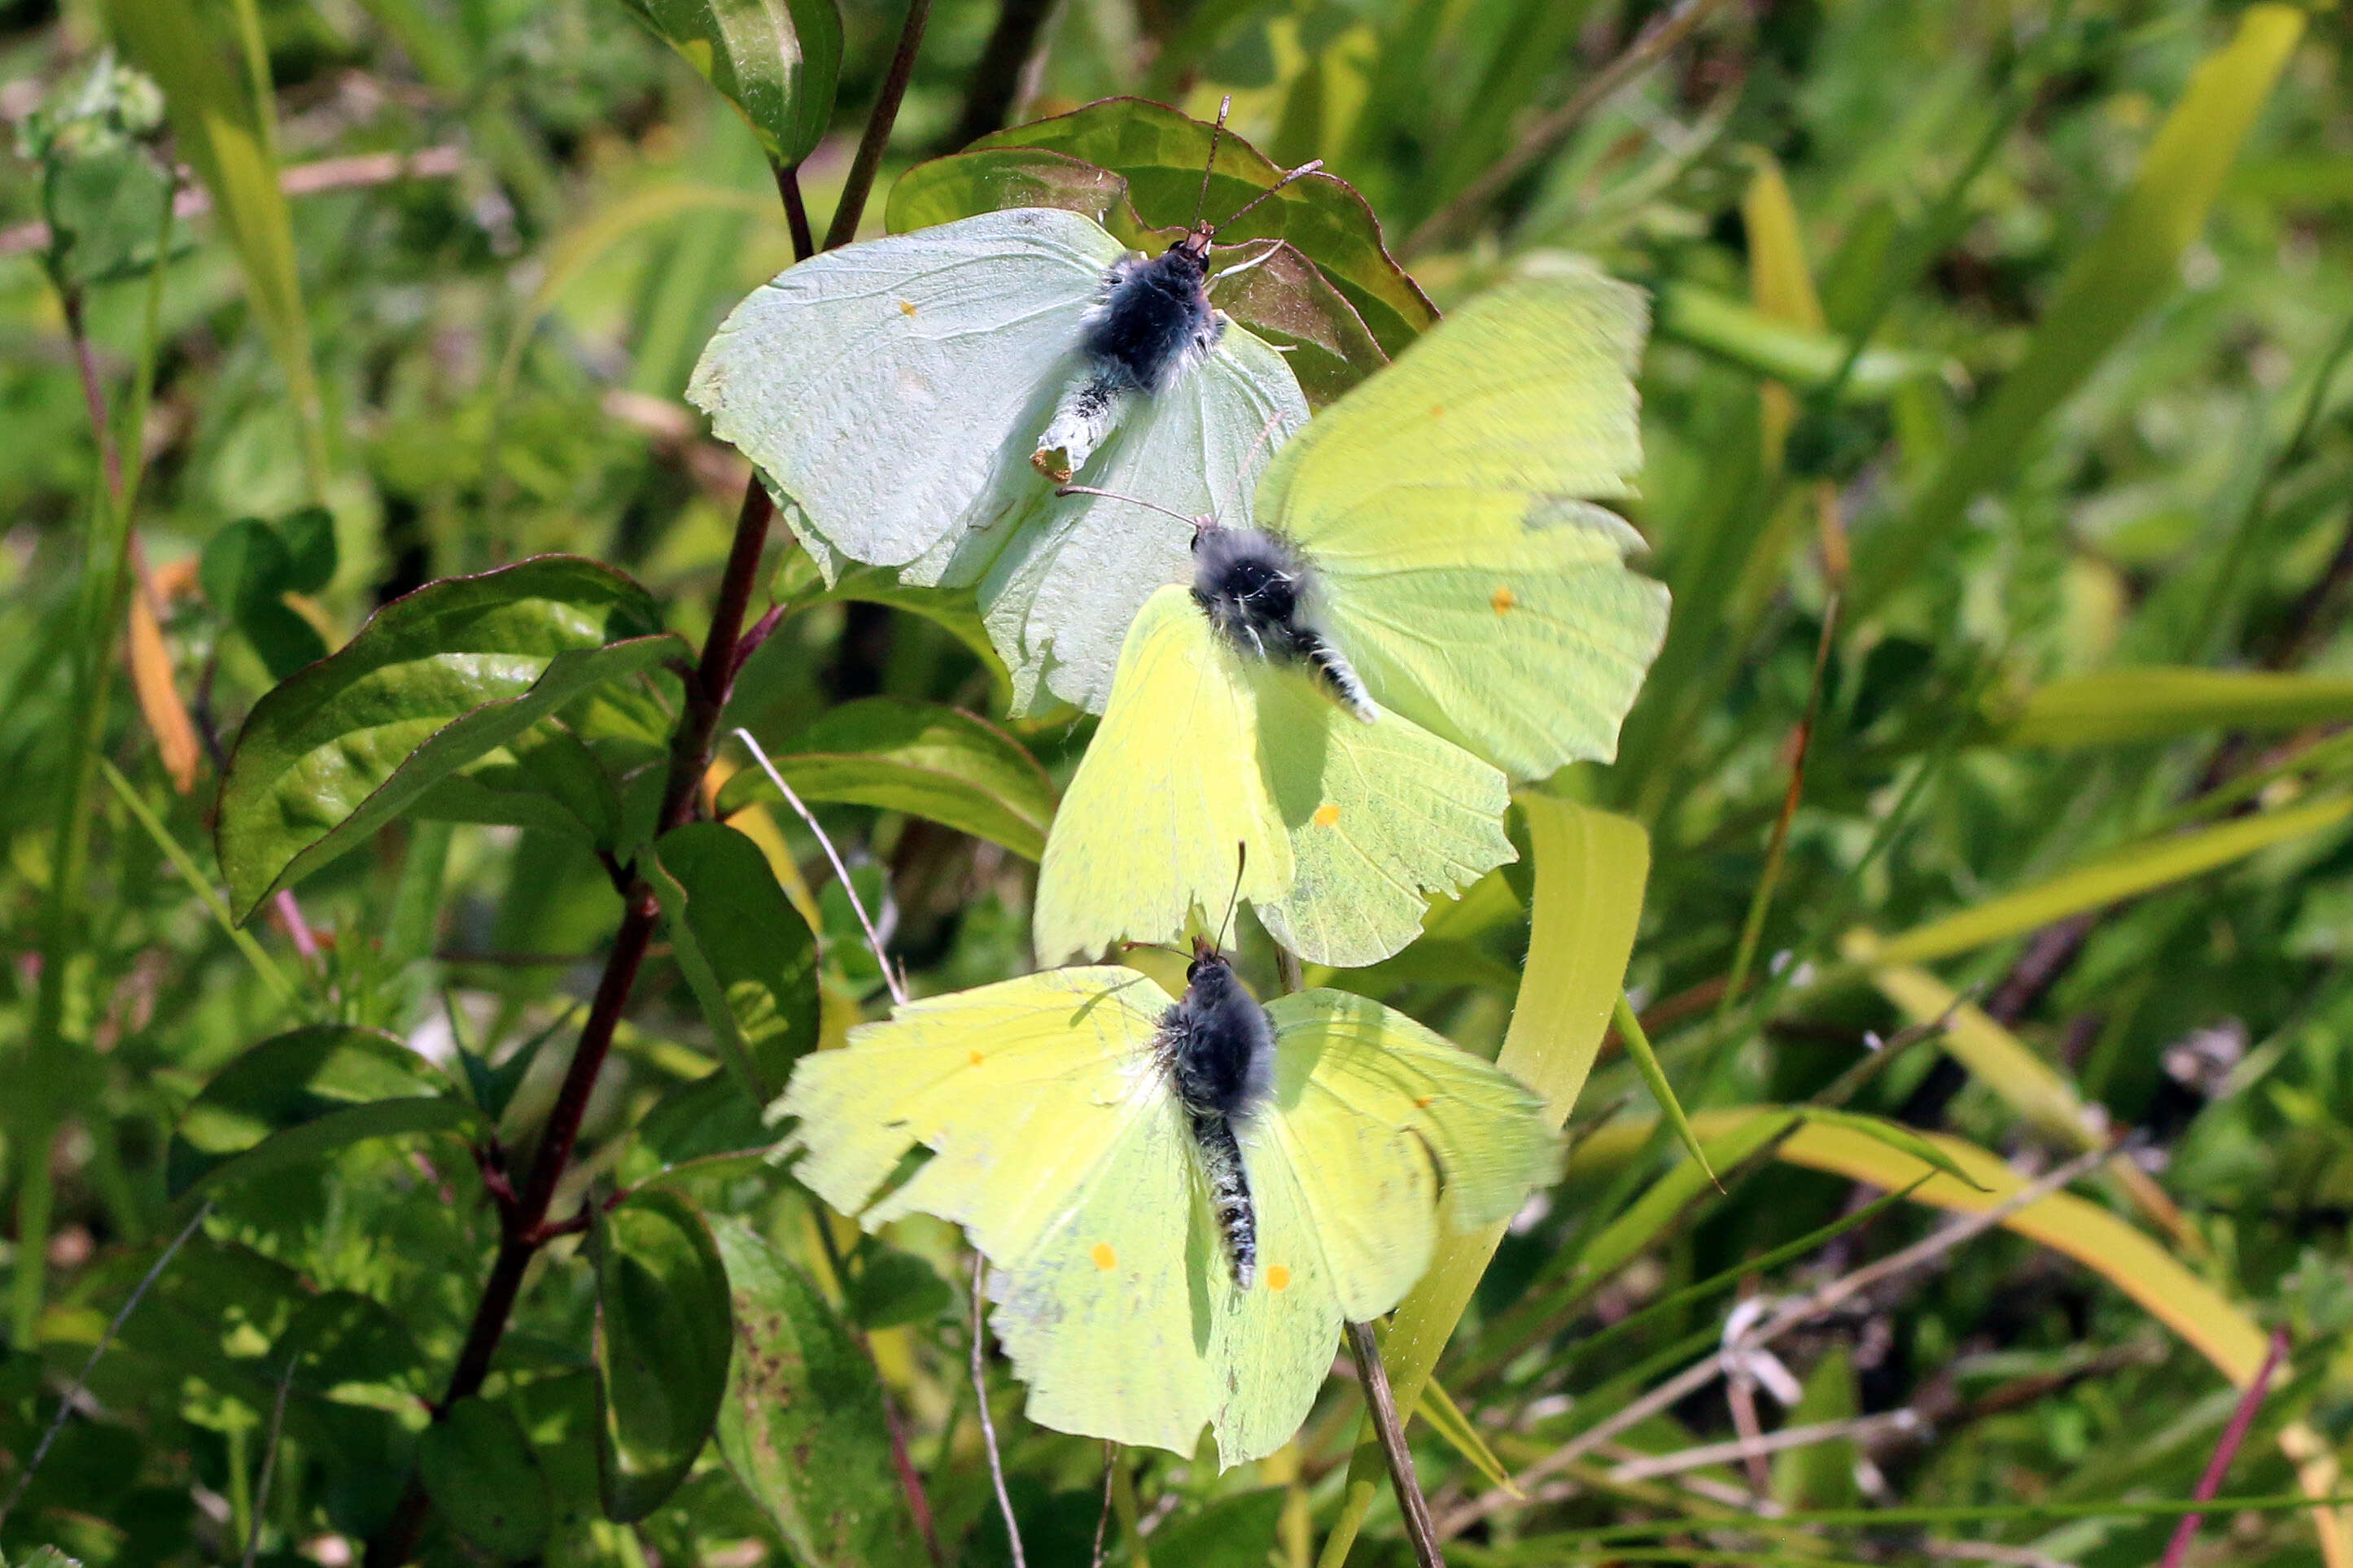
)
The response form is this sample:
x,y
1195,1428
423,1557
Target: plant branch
x,y
854,190
987,1422
1381,1401
1663,34
997,80
2177,1551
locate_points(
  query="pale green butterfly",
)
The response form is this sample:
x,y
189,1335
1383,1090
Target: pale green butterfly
x,y
912,400
1434,558
1180,1203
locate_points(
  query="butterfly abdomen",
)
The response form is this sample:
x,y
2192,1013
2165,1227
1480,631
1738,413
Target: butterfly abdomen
x,y
1229,1193
1155,321
1254,589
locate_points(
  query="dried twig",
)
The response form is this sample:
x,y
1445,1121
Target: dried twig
x,y
1757,1448
65,1404
873,940
1787,1317
987,1422
1382,1402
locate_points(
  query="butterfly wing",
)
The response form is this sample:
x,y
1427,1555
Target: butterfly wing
x,y
1061,598
891,391
1445,505
1381,817
1053,1139
1169,787
1374,1123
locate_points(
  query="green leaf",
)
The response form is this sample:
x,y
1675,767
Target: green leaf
x,y
2121,874
1589,870
1802,358
484,1478
247,569
1895,1135
105,211
2124,706
1232,1532
1445,1417
991,180
1286,300
2134,263
341,1338
1161,153
309,535
921,758
1654,1079
745,950
663,1330
777,61
301,1094
434,681
952,610
888,1287
803,1425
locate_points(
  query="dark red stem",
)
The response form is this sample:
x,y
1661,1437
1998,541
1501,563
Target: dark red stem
x,y
2177,1551
852,205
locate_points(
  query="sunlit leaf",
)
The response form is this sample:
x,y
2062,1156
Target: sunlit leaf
x,y
802,1425
777,61
434,681
302,1094
930,760
2126,707
749,956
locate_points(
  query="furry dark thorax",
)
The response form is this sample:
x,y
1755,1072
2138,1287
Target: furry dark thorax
x,y
1255,589
1154,317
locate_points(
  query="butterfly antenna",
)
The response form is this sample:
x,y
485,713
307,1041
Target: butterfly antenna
x,y
1241,859
1266,434
1202,201
1132,500
1300,173
890,976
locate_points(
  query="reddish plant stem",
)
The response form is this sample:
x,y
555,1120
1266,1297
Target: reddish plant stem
x,y
2177,1551
93,390
852,205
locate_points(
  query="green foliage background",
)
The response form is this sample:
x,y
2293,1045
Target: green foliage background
x,y
2047,584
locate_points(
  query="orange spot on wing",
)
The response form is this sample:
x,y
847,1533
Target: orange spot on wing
x,y
1104,1256
1437,411
1278,1277
1326,815
977,1058
1503,601
906,307
1421,1102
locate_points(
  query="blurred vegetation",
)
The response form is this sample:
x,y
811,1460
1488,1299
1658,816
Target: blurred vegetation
x,y
1999,457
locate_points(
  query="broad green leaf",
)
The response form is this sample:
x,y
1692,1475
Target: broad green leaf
x,y
749,956
921,758
105,213
341,1338
1589,870
1279,295
434,681
1802,358
2123,873
963,184
802,1425
952,610
292,1098
484,1478
1161,153
2124,706
246,570
312,555
220,134
1232,1532
2134,263
662,1335
777,61
889,1288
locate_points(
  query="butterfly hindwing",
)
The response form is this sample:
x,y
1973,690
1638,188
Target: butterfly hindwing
x,y
1148,832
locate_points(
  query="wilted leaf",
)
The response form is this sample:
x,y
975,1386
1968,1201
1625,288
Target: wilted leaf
x,y
802,1426
921,758
484,1478
662,1335
303,1093
777,61
749,956
434,681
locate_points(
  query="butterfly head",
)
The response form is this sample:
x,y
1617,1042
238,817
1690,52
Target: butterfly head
x,y
1206,957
